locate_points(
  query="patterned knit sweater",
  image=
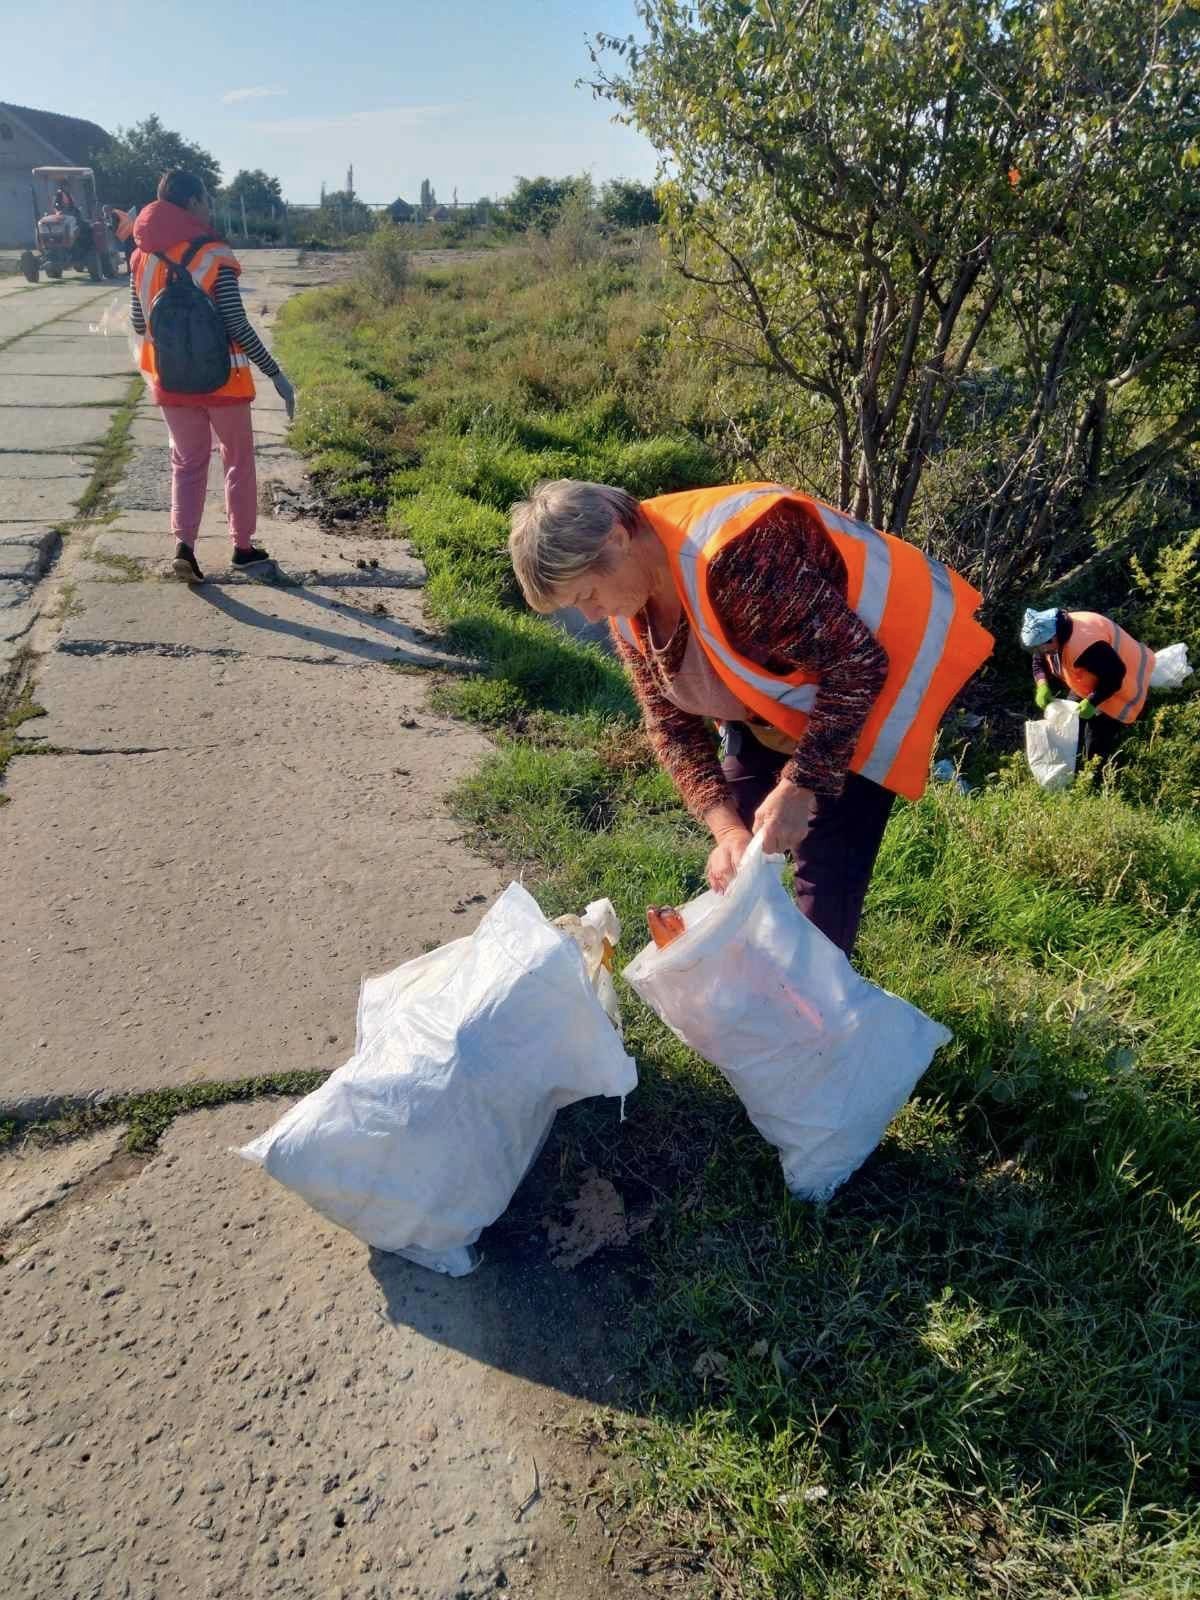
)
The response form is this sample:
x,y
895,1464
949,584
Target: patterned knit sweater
x,y
780,592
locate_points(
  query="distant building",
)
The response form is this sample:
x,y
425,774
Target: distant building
x,y
31,139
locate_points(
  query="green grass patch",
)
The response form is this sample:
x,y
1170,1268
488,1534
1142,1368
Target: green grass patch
x,y
977,1370
151,1113
121,568
111,457
22,710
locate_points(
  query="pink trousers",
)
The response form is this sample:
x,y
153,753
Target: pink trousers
x,y
191,429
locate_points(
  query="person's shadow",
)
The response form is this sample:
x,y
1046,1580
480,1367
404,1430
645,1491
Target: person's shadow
x,y
399,643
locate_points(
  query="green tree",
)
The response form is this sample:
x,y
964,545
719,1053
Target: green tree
x,y
957,241
342,213
129,167
428,197
262,194
538,202
628,204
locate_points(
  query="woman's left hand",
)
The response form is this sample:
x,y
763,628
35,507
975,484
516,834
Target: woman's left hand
x,y
783,817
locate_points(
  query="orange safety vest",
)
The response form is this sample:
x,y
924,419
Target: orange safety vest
x,y
1088,628
124,225
204,266
921,612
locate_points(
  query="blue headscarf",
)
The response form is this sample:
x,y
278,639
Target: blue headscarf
x,y
1038,627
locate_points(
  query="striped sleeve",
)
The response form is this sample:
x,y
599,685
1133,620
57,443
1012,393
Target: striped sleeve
x,y
136,315
780,591
237,324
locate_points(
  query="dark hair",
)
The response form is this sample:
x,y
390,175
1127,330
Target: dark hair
x,y
179,187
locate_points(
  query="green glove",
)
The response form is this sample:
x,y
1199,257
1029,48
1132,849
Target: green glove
x,y
1043,694
1086,710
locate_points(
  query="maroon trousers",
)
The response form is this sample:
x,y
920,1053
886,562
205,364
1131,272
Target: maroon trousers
x,y
834,864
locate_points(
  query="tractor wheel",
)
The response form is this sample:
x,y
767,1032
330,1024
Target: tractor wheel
x,y
29,266
54,272
95,270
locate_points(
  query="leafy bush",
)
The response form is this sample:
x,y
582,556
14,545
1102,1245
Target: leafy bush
x,y
628,204
382,270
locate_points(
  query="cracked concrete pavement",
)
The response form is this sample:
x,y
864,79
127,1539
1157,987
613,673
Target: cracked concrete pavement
x,y
231,811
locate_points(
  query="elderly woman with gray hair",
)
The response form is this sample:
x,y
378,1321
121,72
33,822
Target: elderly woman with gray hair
x,y
824,652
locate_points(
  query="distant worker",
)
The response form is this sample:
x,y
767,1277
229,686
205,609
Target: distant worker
x,y
122,226
178,226
64,201
1098,661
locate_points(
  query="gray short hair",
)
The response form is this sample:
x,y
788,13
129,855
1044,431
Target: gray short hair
x,y
560,532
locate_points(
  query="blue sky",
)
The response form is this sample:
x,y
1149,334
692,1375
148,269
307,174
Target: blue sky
x,y
465,93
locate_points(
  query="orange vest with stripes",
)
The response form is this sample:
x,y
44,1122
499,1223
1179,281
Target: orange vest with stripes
x,y
921,612
124,224
151,275
1088,628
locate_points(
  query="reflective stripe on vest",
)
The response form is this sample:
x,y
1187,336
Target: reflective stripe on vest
x,y
926,667
868,605
1089,628
1128,709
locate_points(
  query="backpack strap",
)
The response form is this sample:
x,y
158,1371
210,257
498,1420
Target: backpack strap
x,y
196,244
176,267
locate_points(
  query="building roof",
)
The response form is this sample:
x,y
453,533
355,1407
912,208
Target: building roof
x,y
76,141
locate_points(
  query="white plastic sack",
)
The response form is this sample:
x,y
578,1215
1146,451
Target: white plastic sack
x,y
462,1058
821,1059
1171,667
1052,745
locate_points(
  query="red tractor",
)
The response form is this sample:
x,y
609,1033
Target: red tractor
x,y
70,227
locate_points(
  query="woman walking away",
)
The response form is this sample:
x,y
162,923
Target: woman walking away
x,y
174,234
825,652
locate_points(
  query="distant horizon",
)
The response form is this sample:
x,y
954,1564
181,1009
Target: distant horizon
x,y
390,89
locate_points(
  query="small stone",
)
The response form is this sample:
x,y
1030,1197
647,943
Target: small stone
x,y
427,1432
401,1558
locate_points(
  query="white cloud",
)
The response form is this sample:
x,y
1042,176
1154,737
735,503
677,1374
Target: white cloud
x,y
379,122
234,97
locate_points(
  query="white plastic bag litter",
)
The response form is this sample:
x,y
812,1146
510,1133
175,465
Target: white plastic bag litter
x,y
462,1058
1171,667
1052,745
821,1059
597,933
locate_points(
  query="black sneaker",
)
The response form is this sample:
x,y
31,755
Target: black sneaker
x,y
254,560
185,566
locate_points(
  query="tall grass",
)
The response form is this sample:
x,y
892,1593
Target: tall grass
x,y
977,1371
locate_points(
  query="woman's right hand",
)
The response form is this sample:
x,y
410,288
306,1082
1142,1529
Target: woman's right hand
x,y
725,857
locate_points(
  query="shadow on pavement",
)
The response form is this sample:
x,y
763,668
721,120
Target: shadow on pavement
x,y
398,633
563,1330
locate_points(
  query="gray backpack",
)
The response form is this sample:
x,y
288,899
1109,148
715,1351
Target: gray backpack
x,y
191,347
